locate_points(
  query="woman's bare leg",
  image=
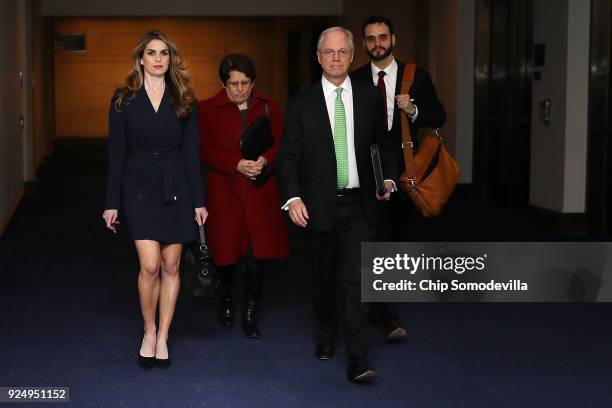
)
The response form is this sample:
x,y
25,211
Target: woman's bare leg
x,y
168,293
149,256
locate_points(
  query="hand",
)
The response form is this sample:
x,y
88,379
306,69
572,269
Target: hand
x,y
262,161
298,213
404,102
200,215
110,217
249,168
388,191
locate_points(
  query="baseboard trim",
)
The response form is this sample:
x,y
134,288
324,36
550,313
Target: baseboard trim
x,y
10,214
561,223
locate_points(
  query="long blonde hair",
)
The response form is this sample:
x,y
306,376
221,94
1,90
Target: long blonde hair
x,y
177,77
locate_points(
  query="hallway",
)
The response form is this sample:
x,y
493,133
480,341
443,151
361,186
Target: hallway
x,y
70,317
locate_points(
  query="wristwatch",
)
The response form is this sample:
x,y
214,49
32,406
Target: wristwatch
x,y
413,111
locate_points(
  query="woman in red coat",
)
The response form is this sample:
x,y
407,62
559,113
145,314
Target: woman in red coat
x,y
245,222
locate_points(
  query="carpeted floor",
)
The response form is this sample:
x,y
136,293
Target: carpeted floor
x,y
69,316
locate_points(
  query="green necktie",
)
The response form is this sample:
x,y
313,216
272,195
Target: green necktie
x,y
340,143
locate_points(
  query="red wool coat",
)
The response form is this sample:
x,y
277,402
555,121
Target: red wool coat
x,y
238,210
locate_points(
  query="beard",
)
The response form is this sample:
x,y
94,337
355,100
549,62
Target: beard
x,y
382,56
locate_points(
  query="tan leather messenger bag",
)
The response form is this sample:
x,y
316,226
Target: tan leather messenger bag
x,y
430,173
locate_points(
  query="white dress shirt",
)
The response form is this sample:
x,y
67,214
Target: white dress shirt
x,y
390,79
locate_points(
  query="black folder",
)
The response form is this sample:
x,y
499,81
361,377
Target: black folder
x,y
256,140
378,174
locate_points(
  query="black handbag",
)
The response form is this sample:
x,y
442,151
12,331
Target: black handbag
x,y
198,269
255,140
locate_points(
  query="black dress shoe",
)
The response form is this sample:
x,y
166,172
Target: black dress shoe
x,y
361,374
324,351
394,333
146,363
162,362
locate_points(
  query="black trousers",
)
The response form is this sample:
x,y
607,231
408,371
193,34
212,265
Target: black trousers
x,y
335,263
393,227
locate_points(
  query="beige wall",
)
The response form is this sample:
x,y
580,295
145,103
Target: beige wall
x,y
235,8
84,82
403,16
451,61
42,80
444,54
11,152
25,58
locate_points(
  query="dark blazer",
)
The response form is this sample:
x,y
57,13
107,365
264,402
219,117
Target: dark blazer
x,y
306,160
431,111
154,169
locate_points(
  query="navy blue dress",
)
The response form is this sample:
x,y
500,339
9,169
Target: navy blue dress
x,y
154,175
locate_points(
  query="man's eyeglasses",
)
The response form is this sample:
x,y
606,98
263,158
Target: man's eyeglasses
x,y
341,53
244,84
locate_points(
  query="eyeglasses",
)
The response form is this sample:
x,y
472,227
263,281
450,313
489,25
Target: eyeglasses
x,y
341,53
236,84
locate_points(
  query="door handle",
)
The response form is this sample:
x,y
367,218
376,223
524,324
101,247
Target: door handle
x,y
545,108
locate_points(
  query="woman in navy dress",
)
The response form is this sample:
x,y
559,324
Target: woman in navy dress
x,y
154,179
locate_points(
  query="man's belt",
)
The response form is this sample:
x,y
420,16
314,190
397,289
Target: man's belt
x,y
341,192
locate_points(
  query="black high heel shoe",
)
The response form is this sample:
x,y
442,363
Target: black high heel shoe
x,y
163,362
146,363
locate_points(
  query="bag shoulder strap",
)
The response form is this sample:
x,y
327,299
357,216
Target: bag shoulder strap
x,y
408,78
407,145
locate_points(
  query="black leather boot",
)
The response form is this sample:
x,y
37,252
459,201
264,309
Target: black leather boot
x,y
249,322
224,287
254,274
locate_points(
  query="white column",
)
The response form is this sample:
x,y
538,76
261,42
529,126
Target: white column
x,y
577,102
559,150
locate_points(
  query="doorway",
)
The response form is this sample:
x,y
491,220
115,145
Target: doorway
x,y
599,166
502,107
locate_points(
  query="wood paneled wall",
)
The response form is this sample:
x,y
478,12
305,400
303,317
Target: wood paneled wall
x,y
85,81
